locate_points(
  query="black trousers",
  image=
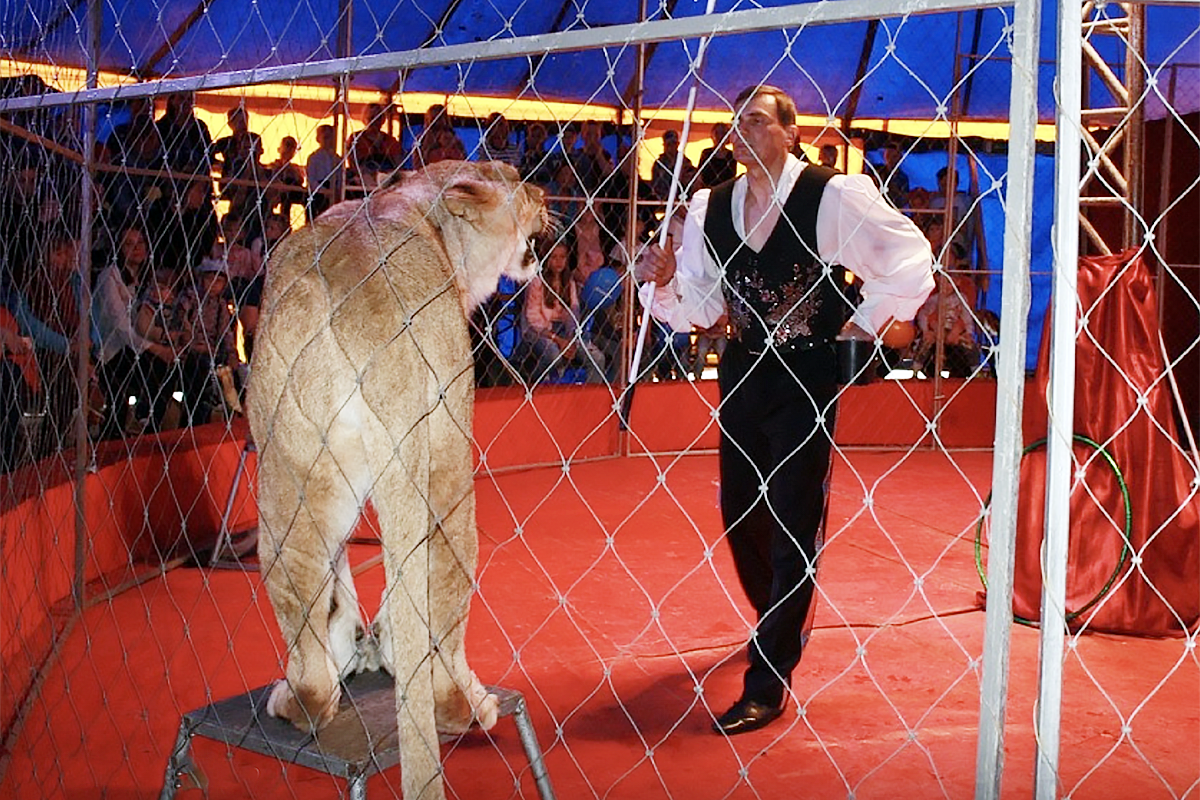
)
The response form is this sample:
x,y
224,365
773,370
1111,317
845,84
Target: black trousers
x,y
777,419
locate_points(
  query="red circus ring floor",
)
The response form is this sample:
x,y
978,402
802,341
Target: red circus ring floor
x,y
612,686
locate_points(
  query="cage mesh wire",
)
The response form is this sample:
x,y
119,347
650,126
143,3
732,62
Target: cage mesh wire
x,y
120,613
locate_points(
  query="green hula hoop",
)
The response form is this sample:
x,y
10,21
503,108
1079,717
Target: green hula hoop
x,y
1125,547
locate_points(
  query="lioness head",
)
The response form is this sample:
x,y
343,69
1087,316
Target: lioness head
x,y
487,218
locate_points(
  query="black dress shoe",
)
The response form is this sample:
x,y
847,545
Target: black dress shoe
x,y
746,716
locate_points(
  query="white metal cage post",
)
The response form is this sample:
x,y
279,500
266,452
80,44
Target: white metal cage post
x,y
1010,387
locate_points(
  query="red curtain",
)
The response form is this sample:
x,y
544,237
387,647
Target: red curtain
x,y
1123,402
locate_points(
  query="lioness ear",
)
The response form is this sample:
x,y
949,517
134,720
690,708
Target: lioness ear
x,y
468,199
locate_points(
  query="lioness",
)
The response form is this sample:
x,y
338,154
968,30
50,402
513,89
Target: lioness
x,y
362,388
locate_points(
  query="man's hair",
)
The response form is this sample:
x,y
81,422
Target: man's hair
x,y
785,106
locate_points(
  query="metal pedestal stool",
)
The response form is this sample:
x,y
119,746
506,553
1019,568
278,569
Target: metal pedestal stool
x,y
360,741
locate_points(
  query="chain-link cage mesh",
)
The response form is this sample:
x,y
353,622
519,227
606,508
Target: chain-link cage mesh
x,y
192,230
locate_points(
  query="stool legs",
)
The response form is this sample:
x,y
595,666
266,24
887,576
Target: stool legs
x,y
357,787
533,751
180,762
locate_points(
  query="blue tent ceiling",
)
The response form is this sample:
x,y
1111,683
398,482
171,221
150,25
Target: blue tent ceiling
x,y
910,73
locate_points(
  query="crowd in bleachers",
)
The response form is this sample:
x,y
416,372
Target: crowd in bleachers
x,y
175,288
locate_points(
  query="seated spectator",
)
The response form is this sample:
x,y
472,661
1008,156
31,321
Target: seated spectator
x,y
204,313
535,161
373,150
496,145
563,195
551,334
446,147
275,228
126,360
717,164
709,340
592,162
155,320
438,141
895,180
46,310
18,378
244,268
663,171
589,245
828,157
564,152
959,348
615,189
324,172
287,179
26,214
602,317
185,231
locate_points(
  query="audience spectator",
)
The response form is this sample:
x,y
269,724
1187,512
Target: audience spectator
x,y
535,161
185,140
126,360
26,213
589,245
438,140
563,194
592,162
203,310
496,145
244,269
663,171
959,349
551,334
235,155
275,228
286,185
18,378
154,319
963,217
47,311
324,172
615,190
828,156
186,230
717,164
564,151
709,340
447,147
895,181
133,145
603,315
373,150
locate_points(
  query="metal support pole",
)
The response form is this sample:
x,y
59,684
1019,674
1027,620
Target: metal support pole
x,y
629,292
1062,398
1010,387
83,455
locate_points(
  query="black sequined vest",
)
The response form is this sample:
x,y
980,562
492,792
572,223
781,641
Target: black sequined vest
x,y
783,296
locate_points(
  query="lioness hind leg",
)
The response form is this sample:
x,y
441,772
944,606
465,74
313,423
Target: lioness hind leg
x,y
302,539
346,633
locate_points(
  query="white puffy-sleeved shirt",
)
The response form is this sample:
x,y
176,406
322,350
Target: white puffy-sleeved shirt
x,y
856,227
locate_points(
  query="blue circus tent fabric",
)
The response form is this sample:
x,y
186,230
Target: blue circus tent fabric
x,y
912,71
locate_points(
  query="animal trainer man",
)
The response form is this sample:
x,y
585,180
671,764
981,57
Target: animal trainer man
x,y
767,252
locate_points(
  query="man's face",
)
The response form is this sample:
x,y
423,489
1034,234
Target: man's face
x,y
759,137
